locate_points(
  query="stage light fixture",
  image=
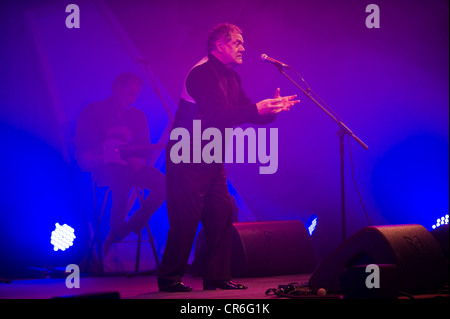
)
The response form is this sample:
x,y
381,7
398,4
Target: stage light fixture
x,y
42,196
62,237
440,221
311,224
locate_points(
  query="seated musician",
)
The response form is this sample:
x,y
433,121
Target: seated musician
x,y
112,141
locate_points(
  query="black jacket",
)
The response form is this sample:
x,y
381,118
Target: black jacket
x,y
213,94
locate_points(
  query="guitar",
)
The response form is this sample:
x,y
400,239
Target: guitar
x,y
116,151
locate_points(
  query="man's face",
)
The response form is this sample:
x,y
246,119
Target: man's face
x,y
233,50
128,93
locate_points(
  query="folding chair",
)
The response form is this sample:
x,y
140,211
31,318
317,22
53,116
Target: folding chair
x,y
136,194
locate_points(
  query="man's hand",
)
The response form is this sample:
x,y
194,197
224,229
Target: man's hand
x,y
122,133
277,104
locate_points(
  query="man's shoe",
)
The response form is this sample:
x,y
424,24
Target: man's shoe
x,y
221,284
166,285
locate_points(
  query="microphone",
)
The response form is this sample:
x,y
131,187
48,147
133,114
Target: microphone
x,y
279,64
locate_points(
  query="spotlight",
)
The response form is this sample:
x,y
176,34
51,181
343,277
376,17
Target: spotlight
x,y
440,221
62,237
311,224
43,222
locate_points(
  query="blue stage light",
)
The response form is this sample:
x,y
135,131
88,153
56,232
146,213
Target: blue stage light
x,y
441,221
311,224
39,188
62,237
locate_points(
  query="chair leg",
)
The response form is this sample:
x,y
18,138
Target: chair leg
x,y
138,253
152,242
91,250
97,240
140,195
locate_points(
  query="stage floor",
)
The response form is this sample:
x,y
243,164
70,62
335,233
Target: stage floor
x,y
140,287
145,287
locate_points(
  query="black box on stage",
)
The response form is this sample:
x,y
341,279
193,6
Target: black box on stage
x,y
441,235
353,283
265,249
271,249
417,256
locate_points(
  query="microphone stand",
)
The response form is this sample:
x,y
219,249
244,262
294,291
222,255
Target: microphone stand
x,y
343,130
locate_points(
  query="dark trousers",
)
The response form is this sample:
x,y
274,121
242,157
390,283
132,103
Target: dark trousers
x,y
197,193
122,179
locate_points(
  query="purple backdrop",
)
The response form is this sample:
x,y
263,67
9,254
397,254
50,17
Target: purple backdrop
x,y
388,84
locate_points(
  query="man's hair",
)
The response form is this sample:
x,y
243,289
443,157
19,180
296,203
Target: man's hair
x,y
223,32
125,78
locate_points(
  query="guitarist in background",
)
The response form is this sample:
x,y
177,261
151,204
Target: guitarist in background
x,y
112,141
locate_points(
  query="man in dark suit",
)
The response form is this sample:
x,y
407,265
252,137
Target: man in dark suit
x,y
197,192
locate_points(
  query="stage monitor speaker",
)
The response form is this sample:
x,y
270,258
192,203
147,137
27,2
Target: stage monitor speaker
x,y
442,236
271,249
418,258
266,249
